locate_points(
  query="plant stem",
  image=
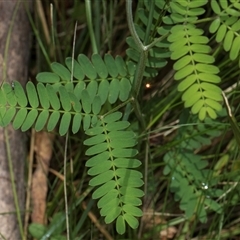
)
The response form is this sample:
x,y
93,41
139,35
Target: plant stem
x,y
90,25
131,25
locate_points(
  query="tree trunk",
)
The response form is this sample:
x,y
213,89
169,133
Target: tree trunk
x,y
14,54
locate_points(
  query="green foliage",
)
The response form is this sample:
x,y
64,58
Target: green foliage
x,y
52,232
194,64
57,99
112,166
86,93
191,181
149,31
75,97
226,25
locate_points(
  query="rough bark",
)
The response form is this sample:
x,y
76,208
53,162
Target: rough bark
x,y
16,62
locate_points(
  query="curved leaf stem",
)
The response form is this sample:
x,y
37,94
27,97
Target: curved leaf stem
x,y
131,25
152,44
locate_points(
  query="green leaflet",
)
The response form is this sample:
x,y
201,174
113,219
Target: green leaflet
x,y
29,120
120,225
65,123
61,71
9,94
99,66
75,104
53,98
65,99
53,120
41,120
102,178
86,122
92,88
32,95
19,118
77,120
86,101
114,89
20,94
104,189
47,77
131,220
100,168
8,116
111,66
103,90
87,67
77,70
43,96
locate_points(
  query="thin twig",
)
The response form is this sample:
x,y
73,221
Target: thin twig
x,y
66,146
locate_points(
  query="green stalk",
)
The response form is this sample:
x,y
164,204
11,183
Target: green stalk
x,y
97,23
149,23
90,25
36,33
137,82
233,121
131,25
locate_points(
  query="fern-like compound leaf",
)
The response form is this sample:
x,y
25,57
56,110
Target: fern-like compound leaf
x,y
187,41
99,76
48,107
191,182
226,26
113,169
